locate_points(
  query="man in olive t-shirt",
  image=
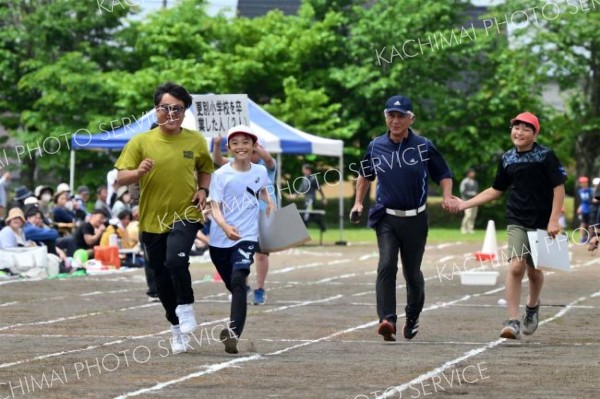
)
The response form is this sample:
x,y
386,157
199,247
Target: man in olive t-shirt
x,y
166,161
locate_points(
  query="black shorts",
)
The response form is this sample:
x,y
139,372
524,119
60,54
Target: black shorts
x,y
258,250
238,257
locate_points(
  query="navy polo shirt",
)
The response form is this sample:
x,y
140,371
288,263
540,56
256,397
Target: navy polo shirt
x,y
402,169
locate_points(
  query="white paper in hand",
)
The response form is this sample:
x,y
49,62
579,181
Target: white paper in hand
x,y
281,230
548,253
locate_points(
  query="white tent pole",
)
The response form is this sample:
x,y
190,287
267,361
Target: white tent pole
x,y
278,181
72,171
341,201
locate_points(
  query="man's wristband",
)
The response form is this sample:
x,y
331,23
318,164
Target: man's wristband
x,y
205,190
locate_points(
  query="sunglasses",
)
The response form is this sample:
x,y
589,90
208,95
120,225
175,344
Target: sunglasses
x,y
167,108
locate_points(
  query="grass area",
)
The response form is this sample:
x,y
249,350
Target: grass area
x,y
437,217
436,235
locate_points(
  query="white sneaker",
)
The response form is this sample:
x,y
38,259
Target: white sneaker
x,y
187,319
178,341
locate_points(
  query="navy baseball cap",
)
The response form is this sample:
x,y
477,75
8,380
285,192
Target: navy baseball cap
x,y
398,103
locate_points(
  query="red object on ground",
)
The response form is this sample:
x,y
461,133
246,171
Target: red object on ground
x,y
108,255
483,256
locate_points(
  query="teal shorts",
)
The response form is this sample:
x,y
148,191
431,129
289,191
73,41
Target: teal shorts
x,y
518,243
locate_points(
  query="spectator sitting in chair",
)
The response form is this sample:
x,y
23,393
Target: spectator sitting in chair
x,y
34,203
35,231
44,195
118,227
11,236
62,213
88,235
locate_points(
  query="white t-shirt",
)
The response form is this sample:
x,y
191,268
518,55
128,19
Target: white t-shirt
x,y
237,194
271,189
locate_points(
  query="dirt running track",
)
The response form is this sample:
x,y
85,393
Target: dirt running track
x,y
97,337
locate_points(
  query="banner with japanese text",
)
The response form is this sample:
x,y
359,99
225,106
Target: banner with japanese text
x,y
216,113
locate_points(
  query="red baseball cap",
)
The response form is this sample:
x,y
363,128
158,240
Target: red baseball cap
x,y
527,117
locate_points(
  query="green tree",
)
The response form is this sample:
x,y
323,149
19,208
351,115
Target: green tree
x,y
418,50
53,53
563,40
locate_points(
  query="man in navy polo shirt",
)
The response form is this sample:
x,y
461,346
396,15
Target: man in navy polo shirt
x,y
402,161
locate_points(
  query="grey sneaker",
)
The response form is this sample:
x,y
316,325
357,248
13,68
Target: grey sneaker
x,y
511,330
530,319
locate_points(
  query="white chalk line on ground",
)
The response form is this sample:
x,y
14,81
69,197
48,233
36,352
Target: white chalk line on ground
x,y
61,319
325,280
474,352
363,293
220,366
343,276
203,281
437,277
119,341
70,336
92,347
92,293
442,246
428,343
300,251
80,316
209,370
139,337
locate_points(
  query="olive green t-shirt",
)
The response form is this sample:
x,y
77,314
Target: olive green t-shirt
x,y
166,191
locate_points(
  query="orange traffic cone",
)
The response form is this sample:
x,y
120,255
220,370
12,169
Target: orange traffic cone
x,y
217,278
490,245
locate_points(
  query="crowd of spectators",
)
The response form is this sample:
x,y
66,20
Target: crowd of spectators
x,y
66,221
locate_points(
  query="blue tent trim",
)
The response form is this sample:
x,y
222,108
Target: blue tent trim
x,y
279,136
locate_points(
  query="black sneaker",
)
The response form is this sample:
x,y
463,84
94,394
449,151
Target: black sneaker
x,y
230,340
388,330
530,319
511,330
411,328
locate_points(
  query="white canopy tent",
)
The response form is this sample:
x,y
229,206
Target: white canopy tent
x,y
278,137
